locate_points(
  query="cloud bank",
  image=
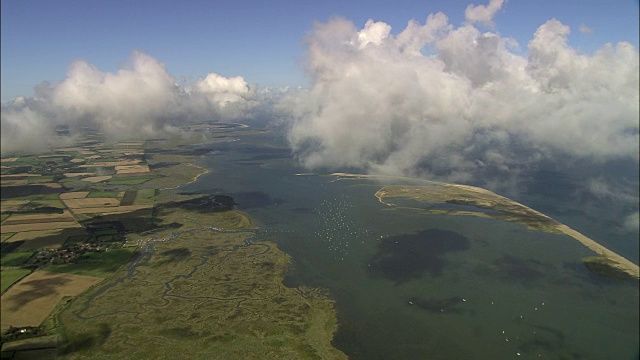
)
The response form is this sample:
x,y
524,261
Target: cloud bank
x,y
139,100
438,100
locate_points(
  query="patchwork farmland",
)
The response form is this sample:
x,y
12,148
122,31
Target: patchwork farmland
x,y
61,212
72,219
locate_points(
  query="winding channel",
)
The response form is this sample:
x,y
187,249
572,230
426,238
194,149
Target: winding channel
x,y
144,256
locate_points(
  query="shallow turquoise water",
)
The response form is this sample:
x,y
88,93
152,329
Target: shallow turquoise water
x,y
410,286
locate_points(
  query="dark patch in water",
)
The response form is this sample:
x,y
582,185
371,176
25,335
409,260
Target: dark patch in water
x,y
255,199
438,306
350,338
578,269
248,162
265,152
549,340
209,190
513,268
271,156
407,257
183,150
291,279
304,210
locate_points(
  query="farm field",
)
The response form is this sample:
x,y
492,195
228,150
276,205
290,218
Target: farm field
x,y
95,264
29,302
35,218
11,276
40,226
74,195
96,179
60,235
15,258
78,228
90,202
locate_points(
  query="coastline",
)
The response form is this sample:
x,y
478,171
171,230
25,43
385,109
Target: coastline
x,y
258,270
194,179
546,223
201,282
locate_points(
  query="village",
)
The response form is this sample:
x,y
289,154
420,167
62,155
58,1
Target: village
x,y
66,255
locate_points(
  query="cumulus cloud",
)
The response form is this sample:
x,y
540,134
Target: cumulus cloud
x,y
230,96
23,127
473,104
481,13
138,100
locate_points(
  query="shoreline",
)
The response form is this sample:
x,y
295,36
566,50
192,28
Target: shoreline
x,y
618,261
194,179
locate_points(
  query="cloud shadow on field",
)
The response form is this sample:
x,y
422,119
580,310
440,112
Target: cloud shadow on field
x,y
37,289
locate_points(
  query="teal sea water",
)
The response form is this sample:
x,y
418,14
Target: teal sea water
x,y
412,286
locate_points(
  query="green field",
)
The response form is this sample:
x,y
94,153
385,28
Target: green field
x,y
128,198
9,277
130,180
53,203
6,236
77,239
102,194
40,197
145,196
40,207
98,264
104,159
39,179
176,175
16,258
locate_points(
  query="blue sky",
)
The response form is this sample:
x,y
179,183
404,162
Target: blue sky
x,y
259,40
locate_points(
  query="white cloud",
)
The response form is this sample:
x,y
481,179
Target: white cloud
x,y
377,103
23,128
481,13
231,97
138,100
374,32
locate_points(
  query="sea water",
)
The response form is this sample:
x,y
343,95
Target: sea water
x,y
414,286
